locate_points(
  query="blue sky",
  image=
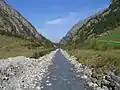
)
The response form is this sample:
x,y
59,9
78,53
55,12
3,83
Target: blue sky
x,y
54,18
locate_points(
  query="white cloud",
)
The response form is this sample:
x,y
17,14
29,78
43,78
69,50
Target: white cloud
x,y
60,21
56,21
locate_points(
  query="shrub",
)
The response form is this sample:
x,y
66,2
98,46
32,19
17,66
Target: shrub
x,y
102,46
92,44
35,55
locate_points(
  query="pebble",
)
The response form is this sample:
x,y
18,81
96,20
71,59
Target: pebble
x,y
93,79
90,84
106,88
42,87
38,87
84,77
47,81
95,85
54,79
78,75
49,84
34,70
99,88
48,77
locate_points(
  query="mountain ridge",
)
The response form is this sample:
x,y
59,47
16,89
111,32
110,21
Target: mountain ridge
x,y
94,25
18,37
20,25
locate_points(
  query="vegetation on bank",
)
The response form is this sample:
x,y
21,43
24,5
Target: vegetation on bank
x,y
15,45
97,42
100,53
101,61
41,53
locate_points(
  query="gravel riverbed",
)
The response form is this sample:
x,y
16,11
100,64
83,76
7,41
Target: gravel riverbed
x,y
94,81
22,73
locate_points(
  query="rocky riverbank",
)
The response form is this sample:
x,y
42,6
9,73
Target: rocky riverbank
x,y
22,73
94,81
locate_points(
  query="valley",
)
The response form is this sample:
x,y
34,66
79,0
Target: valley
x,y
86,58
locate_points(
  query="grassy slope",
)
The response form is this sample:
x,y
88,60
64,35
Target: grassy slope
x,y
100,59
14,46
99,52
113,39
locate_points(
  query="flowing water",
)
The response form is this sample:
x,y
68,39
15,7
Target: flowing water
x,y
62,75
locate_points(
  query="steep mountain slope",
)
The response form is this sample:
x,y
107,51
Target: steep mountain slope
x,y
99,24
96,40
13,21
17,35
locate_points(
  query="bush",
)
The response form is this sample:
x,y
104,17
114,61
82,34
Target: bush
x,y
96,44
92,44
36,55
102,46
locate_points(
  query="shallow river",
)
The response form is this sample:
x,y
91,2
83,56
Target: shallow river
x,y
62,76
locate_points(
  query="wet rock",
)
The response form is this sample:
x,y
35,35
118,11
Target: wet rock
x,y
99,83
78,75
105,82
112,85
94,75
47,81
84,77
99,88
118,74
117,86
95,85
87,72
90,84
49,84
105,88
38,87
107,77
115,78
94,80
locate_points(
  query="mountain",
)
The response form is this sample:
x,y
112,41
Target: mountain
x,y
101,23
95,41
17,34
12,21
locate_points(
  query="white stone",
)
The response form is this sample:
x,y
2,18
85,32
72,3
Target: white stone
x,y
90,84
99,88
95,85
48,77
84,77
49,84
38,87
47,81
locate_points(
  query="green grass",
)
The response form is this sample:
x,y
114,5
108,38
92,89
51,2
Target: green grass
x,y
14,46
112,40
99,53
114,36
99,60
